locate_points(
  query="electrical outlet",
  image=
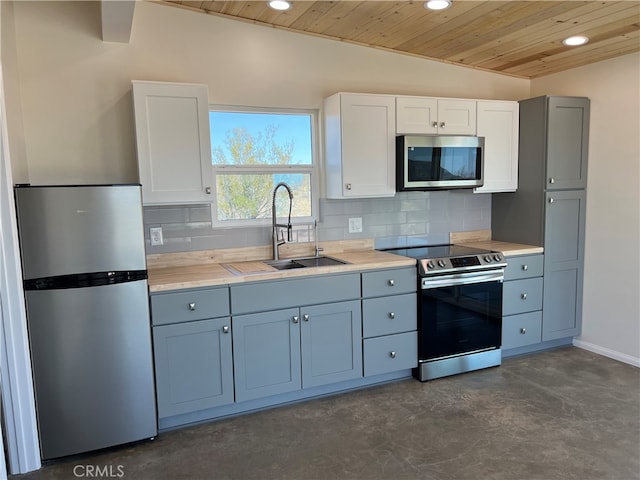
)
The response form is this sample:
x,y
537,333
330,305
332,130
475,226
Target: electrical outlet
x,y
355,225
155,234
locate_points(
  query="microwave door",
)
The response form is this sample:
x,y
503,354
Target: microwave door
x,y
422,164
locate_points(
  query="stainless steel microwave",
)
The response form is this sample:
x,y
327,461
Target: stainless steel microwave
x,y
439,162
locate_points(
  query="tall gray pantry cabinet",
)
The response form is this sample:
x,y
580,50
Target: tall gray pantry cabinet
x,y
550,205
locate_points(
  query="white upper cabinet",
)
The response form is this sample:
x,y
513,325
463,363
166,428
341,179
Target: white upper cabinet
x,y
173,140
498,124
359,152
431,116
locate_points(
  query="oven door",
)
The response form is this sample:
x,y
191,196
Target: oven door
x,y
460,313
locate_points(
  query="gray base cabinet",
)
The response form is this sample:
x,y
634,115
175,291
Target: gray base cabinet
x,y
285,350
522,301
226,350
192,350
389,327
194,369
266,355
564,229
331,340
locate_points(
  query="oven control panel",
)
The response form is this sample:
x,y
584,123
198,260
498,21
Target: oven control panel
x,y
431,266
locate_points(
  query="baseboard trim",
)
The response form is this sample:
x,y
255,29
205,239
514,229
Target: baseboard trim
x,y
607,352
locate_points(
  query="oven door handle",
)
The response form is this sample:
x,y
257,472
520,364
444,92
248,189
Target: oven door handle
x,y
462,279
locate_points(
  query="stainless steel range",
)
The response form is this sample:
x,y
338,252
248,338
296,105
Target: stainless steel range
x,y
459,308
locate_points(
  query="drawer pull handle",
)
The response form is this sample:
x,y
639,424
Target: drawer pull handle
x,y
391,283
349,186
225,329
305,317
392,354
392,315
523,296
192,306
295,319
523,331
525,267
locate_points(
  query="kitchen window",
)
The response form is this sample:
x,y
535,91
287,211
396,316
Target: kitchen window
x,y
252,150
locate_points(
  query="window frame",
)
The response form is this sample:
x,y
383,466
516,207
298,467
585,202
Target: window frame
x,y
311,169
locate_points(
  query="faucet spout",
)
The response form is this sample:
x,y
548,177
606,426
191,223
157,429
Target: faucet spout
x,y
275,225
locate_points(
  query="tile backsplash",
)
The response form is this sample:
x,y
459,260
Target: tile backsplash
x,y
409,218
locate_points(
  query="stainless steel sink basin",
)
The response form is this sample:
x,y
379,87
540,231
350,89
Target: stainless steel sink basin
x,y
290,263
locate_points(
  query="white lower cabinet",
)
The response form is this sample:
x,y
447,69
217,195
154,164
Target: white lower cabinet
x,y
522,301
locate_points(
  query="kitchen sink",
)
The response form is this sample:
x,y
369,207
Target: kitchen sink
x,y
291,263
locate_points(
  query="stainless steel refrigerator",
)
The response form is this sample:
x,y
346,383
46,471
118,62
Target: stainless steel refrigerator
x,y
84,270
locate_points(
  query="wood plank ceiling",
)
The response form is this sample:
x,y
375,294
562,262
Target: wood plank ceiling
x,y
518,38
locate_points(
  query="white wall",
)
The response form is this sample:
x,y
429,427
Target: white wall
x,y
74,89
611,318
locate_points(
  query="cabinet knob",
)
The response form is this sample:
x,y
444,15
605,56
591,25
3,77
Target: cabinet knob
x,y
295,319
441,124
523,331
392,354
305,317
192,306
523,296
207,190
225,329
348,186
434,124
392,315
391,283
552,180
551,200
525,267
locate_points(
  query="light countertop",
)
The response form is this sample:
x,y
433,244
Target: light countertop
x,y
509,249
212,274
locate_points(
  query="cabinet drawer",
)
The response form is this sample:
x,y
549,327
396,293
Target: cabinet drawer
x,y
189,305
386,315
272,295
389,282
521,330
390,353
524,266
521,296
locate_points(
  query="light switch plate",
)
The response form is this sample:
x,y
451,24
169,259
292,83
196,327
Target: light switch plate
x,y
355,225
155,235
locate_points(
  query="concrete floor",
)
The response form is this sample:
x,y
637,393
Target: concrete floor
x,y
563,414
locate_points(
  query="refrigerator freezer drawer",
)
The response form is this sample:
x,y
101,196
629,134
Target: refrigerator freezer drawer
x,y
92,363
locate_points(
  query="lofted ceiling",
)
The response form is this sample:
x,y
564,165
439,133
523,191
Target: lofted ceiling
x,y
518,38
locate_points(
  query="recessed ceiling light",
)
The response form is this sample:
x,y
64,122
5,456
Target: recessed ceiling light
x,y
575,40
279,4
437,4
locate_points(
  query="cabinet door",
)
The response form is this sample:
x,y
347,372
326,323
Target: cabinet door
x,y
567,142
193,364
456,117
266,353
563,264
331,341
173,140
498,124
368,146
416,115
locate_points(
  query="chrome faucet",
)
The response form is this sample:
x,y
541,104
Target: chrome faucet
x,y
274,225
